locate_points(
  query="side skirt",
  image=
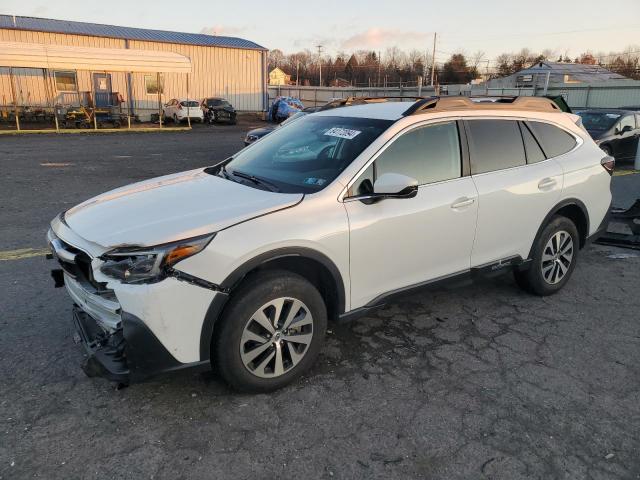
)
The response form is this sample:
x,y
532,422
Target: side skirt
x,y
454,280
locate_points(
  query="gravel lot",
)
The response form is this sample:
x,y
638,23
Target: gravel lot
x,y
479,382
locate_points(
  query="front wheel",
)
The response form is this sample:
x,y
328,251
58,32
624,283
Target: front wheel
x,y
271,332
553,259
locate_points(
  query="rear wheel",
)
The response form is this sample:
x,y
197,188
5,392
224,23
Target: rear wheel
x,y
606,149
271,332
175,119
553,259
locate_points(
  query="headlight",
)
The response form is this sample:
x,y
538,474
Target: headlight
x,y
150,264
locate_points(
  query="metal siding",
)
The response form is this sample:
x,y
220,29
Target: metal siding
x,y
228,72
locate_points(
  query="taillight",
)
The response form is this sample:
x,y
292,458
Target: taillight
x,y
608,163
179,106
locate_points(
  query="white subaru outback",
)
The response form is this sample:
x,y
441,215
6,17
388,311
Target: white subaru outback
x,y
240,265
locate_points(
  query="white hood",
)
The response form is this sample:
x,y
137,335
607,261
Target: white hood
x,y
171,208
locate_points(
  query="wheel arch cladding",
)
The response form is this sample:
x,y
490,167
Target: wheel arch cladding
x,y
314,266
574,210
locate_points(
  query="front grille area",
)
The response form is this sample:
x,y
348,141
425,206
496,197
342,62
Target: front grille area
x,y
91,296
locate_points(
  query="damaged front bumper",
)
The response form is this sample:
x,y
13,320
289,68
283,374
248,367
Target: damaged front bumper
x,y
127,355
108,319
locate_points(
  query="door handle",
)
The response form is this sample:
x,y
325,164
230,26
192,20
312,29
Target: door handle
x,y
546,183
462,202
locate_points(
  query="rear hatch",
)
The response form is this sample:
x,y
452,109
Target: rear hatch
x,y
191,108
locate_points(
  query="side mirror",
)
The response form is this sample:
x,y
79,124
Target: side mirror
x,y
395,184
625,129
390,185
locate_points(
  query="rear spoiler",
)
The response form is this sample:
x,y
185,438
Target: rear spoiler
x,y
560,102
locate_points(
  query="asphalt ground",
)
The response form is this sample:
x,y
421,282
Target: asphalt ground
x,y
478,382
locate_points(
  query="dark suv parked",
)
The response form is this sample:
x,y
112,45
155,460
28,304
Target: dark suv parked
x,y
218,110
615,131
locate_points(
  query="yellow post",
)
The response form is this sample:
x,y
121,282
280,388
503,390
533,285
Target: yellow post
x,y
13,95
95,120
55,117
188,116
159,99
129,121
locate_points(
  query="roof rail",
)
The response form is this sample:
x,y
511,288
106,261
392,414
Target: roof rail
x,y
355,100
441,104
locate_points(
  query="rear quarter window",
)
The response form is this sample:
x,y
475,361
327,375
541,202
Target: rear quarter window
x,y
554,140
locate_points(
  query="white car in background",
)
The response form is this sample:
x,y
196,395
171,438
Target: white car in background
x,y
178,110
242,264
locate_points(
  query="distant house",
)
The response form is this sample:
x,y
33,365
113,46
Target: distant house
x,y
278,77
558,73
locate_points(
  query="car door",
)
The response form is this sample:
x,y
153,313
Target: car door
x,y
399,243
516,189
627,137
167,109
636,142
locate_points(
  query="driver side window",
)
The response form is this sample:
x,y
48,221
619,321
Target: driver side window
x,y
627,121
429,154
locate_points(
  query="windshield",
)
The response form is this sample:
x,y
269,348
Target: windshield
x,y
598,120
293,117
306,155
189,103
216,102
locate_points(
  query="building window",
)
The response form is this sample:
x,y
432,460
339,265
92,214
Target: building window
x,y
66,81
151,84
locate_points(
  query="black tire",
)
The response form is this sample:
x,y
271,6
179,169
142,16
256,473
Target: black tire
x,y
255,292
534,280
175,119
607,149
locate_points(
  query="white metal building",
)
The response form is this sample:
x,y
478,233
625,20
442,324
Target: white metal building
x,y
45,62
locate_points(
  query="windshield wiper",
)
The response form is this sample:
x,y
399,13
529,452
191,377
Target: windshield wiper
x,y
252,178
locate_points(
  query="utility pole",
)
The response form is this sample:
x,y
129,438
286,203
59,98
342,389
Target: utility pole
x,y
433,59
320,63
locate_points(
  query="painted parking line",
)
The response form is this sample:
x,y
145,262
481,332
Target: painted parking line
x,y
22,253
619,173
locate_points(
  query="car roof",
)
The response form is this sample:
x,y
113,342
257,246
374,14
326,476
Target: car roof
x,y
382,110
379,108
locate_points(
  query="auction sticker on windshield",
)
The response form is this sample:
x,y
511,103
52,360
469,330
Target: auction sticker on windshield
x,y
343,133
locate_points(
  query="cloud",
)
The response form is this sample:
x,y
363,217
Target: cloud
x,y
223,30
380,37
40,11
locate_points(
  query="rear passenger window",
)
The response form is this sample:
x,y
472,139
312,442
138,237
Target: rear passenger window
x,y
495,145
534,152
554,140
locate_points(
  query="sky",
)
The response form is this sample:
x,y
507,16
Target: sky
x,y
491,26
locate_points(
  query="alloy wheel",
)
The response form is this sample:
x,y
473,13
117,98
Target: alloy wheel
x,y
276,337
556,257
